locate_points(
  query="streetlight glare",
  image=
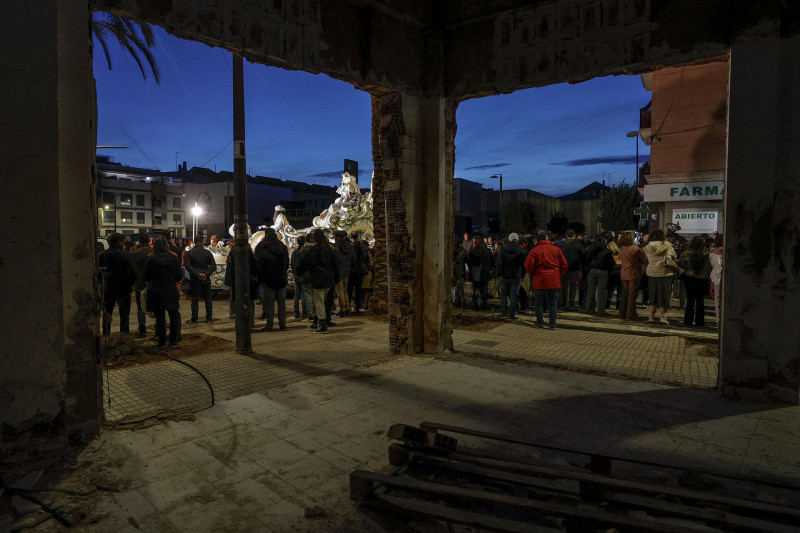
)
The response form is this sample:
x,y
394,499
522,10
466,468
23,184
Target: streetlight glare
x,y
197,210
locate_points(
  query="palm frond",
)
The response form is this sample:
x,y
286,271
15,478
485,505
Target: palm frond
x,y
137,39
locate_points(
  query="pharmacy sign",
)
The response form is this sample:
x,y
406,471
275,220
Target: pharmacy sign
x,y
684,192
697,220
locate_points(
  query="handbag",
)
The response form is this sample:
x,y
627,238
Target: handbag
x,y
671,264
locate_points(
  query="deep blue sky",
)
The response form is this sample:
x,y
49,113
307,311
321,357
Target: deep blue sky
x,y
301,126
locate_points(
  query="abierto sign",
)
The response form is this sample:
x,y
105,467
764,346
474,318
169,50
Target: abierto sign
x,y
697,220
684,192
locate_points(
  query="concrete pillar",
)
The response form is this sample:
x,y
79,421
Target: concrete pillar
x,y
418,153
49,386
761,282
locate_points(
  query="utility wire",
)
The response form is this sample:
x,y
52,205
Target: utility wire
x,y
217,154
674,96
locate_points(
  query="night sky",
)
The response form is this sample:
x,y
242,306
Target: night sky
x,y
302,126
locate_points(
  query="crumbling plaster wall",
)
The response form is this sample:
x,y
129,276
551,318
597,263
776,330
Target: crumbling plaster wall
x,y
532,44
761,276
49,384
365,44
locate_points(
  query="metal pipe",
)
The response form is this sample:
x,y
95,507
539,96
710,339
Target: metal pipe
x,y
241,248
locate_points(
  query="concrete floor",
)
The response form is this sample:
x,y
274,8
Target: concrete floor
x,y
294,419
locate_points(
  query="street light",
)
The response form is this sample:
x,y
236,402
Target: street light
x,y
196,212
500,176
107,207
635,134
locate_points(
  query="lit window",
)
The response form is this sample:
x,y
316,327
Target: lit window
x,y
126,217
108,217
125,199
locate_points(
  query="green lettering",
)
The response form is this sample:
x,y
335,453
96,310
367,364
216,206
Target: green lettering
x,y
673,191
712,191
697,191
685,191
712,215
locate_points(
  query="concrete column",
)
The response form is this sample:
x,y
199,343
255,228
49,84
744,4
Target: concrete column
x,y
49,387
760,351
418,154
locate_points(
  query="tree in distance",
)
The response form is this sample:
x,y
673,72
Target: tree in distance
x,y
617,206
519,216
558,223
132,36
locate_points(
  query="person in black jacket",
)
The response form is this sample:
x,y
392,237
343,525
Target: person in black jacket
x,y
480,263
200,264
162,273
601,262
320,265
272,266
299,296
119,275
510,269
361,264
343,255
575,255
252,287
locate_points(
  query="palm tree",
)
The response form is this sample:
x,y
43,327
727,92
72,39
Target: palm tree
x,y
134,37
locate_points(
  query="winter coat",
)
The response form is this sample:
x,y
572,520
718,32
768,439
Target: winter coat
x,y
657,252
140,256
600,257
511,261
161,273
546,264
480,260
320,265
344,257
715,258
272,264
120,272
685,262
574,253
632,260
230,273
200,261
361,259
459,264
297,258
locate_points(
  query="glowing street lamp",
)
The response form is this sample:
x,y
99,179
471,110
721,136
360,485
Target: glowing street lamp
x,y
196,212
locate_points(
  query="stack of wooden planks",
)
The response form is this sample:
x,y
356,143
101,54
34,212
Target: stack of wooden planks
x,y
437,477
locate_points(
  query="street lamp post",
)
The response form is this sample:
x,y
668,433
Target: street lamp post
x,y
500,176
196,212
635,135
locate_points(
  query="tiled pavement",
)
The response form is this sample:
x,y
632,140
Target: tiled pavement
x,y
258,462
283,357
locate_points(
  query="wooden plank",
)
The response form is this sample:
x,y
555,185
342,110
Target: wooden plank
x,y
621,484
460,516
434,426
592,513
711,515
677,509
569,488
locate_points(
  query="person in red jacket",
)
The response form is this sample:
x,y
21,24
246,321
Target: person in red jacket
x,y
546,265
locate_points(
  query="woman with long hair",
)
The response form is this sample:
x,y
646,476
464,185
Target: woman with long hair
x,y
630,273
715,258
659,251
696,272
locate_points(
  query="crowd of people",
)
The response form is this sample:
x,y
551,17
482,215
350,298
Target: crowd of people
x,y
153,269
576,273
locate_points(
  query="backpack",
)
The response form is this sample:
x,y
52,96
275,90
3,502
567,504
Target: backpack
x,y
360,260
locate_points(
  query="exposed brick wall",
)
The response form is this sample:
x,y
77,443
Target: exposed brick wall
x,y
399,254
379,301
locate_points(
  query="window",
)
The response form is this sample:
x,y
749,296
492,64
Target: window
x,y
140,200
156,203
108,217
176,202
108,198
125,199
156,220
176,219
140,218
126,217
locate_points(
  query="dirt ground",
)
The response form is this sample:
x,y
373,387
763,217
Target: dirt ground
x,y
121,350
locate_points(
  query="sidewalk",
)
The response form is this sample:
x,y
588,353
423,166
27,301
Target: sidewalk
x,y
258,462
